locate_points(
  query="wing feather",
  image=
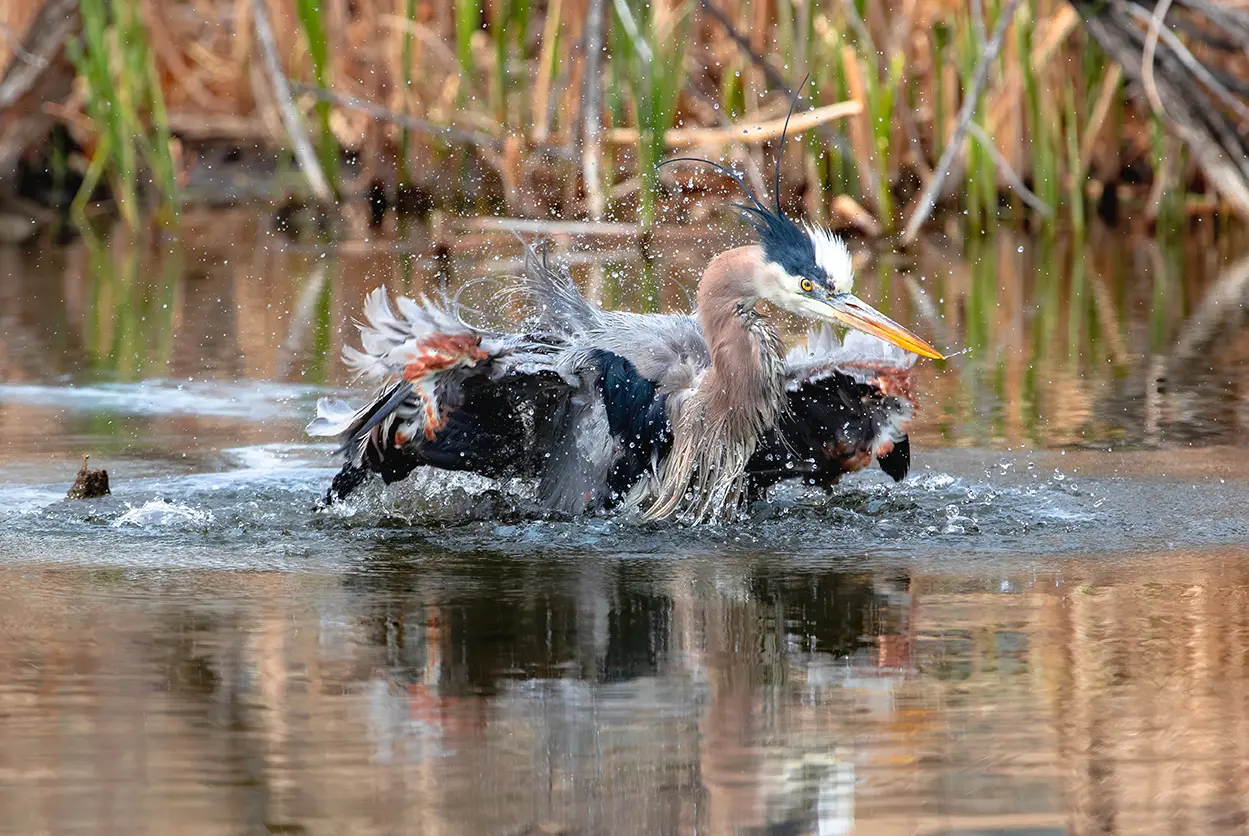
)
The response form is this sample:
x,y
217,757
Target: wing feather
x,y
847,403
420,358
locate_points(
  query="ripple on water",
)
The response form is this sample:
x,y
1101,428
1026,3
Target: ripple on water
x,y
263,501
257,401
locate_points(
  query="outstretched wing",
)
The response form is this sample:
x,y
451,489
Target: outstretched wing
x,y
848,402
666,349
579,399
423,359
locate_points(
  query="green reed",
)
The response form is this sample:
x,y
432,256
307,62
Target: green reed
x,y
1075,180
317,368
125,102
1167,161
1041,121
509,34
1047,291
828,83
312,21
940,44
654,55
467,21
405,133
1167,303
129,329
882,95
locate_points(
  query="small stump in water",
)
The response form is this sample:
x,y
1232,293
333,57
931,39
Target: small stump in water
x,y
89,484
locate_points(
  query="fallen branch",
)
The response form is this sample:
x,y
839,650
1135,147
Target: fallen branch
x,y
1186,57
541,227
1189,110
40,73
15,44
1147,57
383,114
752,133
1008,174
286,106
972,100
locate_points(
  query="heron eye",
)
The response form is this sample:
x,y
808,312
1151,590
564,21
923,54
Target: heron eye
x,y
807,286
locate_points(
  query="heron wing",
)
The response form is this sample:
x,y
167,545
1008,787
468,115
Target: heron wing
x,y
608,433
847,403
448,394
666,349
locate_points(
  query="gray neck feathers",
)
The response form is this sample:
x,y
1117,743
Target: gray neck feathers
x,y
717,426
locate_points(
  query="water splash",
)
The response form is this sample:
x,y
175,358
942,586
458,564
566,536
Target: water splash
x,y
163,514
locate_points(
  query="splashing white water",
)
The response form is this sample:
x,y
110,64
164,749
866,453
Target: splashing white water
x,y
158,512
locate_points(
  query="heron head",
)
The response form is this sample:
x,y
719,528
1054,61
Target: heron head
x,y
808,271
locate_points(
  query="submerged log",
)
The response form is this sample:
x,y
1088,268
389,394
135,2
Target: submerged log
x,y
1187,61
89,484
39,73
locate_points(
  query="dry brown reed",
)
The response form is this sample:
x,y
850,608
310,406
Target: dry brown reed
x,y
702,76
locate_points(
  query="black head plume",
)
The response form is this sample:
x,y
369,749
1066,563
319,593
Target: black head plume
x,y
758,207
782,240
780,149
728,172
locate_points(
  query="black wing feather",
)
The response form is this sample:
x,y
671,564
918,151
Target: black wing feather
x,y
830,424
637,417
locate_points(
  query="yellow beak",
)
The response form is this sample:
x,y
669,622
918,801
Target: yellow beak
x,y
855,313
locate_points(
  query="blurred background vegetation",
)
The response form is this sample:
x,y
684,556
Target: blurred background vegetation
x,y
560,109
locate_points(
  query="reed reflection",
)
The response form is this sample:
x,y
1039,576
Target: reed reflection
x,y
1072,341
731,694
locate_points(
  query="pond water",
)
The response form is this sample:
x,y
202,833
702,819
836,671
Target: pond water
x,y
1044,629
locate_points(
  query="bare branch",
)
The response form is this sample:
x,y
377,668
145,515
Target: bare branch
x,y
929,199
1186,58
749,133
382,114
1008,173
15,44
290,117
1147,58
775,79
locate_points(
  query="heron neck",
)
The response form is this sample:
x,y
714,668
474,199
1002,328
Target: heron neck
x,y
716,431
744,383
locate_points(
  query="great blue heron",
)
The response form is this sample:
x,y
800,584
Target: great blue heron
x,y
681,415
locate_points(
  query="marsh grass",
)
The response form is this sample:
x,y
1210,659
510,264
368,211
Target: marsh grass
x,y
129,329
125,104
513,70
653,53
312,21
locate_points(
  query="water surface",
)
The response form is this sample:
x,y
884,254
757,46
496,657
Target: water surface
x,y
1042,630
